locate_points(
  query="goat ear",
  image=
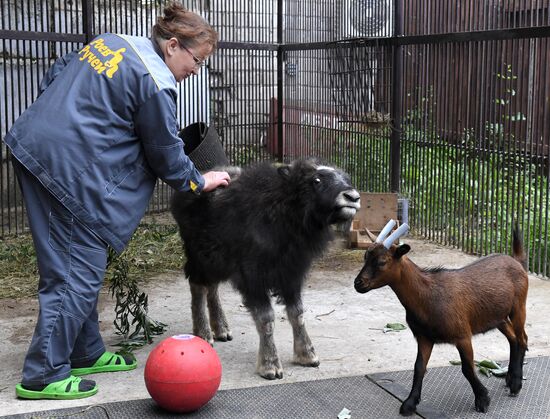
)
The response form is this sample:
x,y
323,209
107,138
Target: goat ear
x,y
401,250
284,171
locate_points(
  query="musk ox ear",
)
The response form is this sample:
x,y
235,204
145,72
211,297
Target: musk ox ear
x,y
401,250
284,171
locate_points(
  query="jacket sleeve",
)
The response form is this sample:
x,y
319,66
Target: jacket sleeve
x,y
54,70
157,127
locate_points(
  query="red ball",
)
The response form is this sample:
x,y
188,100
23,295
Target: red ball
x,y
183,373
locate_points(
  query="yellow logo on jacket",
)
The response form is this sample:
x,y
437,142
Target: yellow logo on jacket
x,y
96,49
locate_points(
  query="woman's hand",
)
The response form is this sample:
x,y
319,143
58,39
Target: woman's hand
x,y
214,179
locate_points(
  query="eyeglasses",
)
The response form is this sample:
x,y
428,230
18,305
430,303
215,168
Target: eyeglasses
x,y
198,62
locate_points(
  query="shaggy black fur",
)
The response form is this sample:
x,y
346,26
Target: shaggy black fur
x,y
262,233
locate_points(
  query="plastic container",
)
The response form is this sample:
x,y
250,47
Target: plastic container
x,y
203,146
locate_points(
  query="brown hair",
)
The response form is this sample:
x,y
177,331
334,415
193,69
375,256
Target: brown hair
x,y
189,28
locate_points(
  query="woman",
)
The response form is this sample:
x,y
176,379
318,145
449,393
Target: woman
x,y
87,154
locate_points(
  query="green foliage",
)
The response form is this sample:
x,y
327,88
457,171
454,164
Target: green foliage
x,y
467,194
474,197
131,306
363,155
18,269
508,79
153,249
470,193
487,367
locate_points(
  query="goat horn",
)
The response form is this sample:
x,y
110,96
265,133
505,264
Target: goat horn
x,y
401,231
371,236
385,231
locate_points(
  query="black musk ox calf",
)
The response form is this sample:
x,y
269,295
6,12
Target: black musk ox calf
x,y
261,233
451,305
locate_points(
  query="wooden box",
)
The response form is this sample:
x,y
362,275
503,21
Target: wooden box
x,y
375,212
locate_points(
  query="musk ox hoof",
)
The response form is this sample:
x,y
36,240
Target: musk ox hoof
x,y
482,403
224,337
207,336
309,360
408,407
270,371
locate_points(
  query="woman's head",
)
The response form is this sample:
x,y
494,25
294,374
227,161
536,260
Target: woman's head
x,y
185,38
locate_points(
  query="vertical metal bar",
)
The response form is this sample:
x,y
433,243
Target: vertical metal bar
x,y
436,113
87,20
280,89
494,148
546,147
450,149
4,156
397,105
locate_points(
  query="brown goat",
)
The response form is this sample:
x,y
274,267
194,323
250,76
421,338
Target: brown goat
x,y
451,305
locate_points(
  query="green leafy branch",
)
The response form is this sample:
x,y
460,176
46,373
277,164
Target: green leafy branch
x,y
131,318
487,367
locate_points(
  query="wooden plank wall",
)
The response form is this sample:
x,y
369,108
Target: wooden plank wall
x,y
458,89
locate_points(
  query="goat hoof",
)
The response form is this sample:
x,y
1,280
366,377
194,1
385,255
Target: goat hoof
x,y
482,403
407,408
515,386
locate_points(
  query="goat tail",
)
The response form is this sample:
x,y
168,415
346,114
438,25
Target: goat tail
x,y
518,253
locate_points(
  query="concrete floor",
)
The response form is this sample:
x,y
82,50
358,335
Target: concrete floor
x,y
345,327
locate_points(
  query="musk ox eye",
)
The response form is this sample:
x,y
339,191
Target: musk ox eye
x,y
316,181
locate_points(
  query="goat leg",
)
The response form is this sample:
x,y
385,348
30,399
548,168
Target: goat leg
x,y
425,347
512,376
218,321
466,352
201,327
268,365
518,322
514,330
517,383
304,352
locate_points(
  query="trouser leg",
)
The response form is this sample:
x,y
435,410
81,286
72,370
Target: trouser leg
x,y
71,263
88,345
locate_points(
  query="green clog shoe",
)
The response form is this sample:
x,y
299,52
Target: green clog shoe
x,y
68,389
108,362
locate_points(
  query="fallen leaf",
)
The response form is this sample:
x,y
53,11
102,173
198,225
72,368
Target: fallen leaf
x,y
394,327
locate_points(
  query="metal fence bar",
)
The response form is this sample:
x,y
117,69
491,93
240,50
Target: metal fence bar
x,y
396,107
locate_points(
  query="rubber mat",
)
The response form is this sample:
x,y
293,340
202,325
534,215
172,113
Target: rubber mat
x,y
306,400
447,394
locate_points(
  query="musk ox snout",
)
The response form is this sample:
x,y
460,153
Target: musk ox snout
x,y
348,203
